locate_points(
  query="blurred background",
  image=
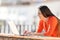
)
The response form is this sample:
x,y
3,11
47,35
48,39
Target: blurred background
x,y
22,14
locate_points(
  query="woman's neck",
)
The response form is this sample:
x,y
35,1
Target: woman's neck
x,y
45,19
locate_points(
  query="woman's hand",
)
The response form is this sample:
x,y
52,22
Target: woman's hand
x,y
38,34
27,33
33,34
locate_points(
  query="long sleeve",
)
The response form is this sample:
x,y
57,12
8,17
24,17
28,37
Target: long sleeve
x,y
40,27
53,24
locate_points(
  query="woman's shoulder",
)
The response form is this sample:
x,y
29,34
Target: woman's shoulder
x,y
53,19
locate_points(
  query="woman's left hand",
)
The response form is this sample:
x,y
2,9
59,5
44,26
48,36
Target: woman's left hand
x,y
37,34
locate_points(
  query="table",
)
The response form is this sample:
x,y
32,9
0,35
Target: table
x,y
16,37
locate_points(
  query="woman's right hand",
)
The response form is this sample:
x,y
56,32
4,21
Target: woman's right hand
x,y
26,33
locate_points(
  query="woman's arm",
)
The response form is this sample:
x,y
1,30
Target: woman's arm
x,y
39,30
37,34
40,27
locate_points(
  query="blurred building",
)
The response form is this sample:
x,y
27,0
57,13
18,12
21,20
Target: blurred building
x,y
19,2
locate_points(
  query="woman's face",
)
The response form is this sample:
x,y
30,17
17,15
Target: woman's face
x,y
41,15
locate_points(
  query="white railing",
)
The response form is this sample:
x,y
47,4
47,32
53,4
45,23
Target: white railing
x,y
5,28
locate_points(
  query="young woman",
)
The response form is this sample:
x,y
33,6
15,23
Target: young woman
x,y
48,22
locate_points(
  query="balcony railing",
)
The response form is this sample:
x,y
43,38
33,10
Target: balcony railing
x,y
7,28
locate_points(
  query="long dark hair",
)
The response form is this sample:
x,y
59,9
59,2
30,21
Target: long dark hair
x,y
46,11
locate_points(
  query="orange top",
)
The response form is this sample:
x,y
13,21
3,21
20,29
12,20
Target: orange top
x,y
49,26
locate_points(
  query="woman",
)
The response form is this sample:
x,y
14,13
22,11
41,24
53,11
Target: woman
x,y
48,22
